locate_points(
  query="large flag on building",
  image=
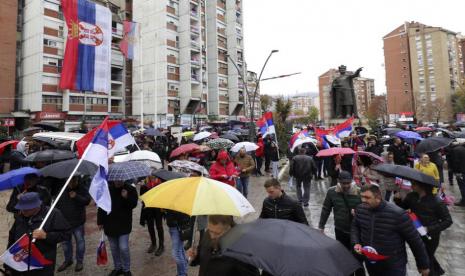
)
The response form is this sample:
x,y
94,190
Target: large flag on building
x,y
87,61
266,125
19,256
127,44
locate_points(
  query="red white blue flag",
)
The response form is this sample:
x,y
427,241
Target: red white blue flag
x,y
127,44
87,61
339,131
417,223
18,258
266,125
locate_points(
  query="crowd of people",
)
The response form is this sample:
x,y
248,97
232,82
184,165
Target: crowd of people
x,y
371,210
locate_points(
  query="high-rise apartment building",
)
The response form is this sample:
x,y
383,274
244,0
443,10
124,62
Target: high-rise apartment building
x,y
181,69
43,42
365,92
424,65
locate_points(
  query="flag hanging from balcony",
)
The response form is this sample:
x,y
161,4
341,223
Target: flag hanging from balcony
x,y
87,61
129,35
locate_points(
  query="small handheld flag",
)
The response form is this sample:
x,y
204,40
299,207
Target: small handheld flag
x,y
416,222
18,258
371,254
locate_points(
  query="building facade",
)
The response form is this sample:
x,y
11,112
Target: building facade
x,y
181,69
365,92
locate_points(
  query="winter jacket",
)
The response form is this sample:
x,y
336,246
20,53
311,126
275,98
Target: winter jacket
x,y
176,219
386,228
400,154
43,192
274,154
119,221
302,167
57,229
429,169
430,210
260,152
245,163
457,159
218,170
74,209
283,207
17,160
376,149
342,204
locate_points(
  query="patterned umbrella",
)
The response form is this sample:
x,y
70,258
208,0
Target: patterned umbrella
x,y
220,143
183,165
127,170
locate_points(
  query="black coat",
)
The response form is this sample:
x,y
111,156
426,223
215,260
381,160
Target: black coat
x,y
283,207
43,192
457,159
387,228
177,219
119,221
302,167
376,149
74,209
400,154
57,229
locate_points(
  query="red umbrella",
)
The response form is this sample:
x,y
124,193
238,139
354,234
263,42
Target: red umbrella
x,y
373,156
423,129
184,149
334,151
5,144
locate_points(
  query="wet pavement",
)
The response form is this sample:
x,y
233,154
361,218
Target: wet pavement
x,y
450,253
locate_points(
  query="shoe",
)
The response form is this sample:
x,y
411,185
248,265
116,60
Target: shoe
x,y
78,267
64,266
116,272
460,204
151,249
127,273
306,205
160,251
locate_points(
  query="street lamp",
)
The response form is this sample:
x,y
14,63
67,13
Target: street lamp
x,y
252,97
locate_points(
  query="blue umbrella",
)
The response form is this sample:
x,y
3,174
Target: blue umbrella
x,y
409,136
15,178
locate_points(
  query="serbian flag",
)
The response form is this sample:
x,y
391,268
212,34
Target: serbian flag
x,y
298,135
127,44
17,256
87,60
320,134
371,254
266,124
416,222
119,137
344,129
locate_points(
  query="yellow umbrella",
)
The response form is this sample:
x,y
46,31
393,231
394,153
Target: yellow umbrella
x,y
198,196
188,133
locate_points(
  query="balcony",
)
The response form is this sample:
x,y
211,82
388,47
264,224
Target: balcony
x,y
171,59
116,109
222,44
240,85
223,84
220,17
117,77
195,62
171,43
195,45
195,78
174,77
171,10
195,14
49,88
51,69
171,26
116,93
221,31
50,50
173,93
223,98
221,4
195,30
223,71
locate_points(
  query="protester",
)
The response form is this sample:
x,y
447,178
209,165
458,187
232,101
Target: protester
x,y
117,225
387,234
433,215
31,184
302,168
427,167
223,169
372,146
319,163
355,141
457,159
180,230
72,205
279,205
208,255
31,214
389,182
274,156
246,166
152,217
259,154
436,159
18,156
268,151
400,152
334,167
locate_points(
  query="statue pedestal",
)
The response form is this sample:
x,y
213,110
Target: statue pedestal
x,y
336,121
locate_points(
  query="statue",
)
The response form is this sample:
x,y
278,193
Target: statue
x,y
343,95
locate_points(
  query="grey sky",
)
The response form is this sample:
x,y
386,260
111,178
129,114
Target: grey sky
x,y
315,35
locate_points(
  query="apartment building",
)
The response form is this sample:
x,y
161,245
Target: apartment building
x,y
365,92
43,44
181,70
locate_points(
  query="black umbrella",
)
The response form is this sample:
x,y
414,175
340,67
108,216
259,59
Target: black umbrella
x,y
153,132
392,130
283,247
432,144
446,133
47,126
167,175
47,140
31,129
50,155
231,137
64,169
405,172
361,130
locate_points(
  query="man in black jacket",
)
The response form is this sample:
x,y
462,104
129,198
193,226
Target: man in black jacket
x,y
400,152
72,205
302,169
457,158
118,224
279,205
386,227
30,215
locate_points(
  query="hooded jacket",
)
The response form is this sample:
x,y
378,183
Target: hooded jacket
x,y
218,170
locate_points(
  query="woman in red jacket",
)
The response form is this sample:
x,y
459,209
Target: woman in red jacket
x,y
259,153
223,169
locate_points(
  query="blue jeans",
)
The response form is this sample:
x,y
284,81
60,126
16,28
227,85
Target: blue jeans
x,y
242,184
78,234
120,252
178,252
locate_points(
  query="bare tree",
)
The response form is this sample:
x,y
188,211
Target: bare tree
x,y
378,109
437,108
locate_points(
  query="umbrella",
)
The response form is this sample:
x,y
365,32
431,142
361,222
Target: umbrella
x,y
409,136
301,141
220,143
267,243
231,137
188,133
432,144
247,145
446,132
386,140
31,129
405,172
374,157
64,169
202,135
153,132
47,126
127,170
183,165
166,175
361,130
458,134
50,155
392,130
7,143
334,151
47,140
186,148
198,196
423,129
15,178
149,158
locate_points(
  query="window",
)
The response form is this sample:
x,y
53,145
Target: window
x,y
46,99
51,43
171,69
76,100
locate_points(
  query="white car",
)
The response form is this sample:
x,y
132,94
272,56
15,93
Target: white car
x,y
68,138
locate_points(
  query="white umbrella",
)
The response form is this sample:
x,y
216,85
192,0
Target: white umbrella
x,y
301,141
202,135
247,145
150,158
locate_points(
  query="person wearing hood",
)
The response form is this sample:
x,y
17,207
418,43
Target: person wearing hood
x,y
223,169
18,156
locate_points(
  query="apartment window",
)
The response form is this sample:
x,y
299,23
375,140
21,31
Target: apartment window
x,y
76,100
171,69
417,38
50,43
427,36
46,99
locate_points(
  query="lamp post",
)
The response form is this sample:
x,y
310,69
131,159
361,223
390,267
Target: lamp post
x,y
252,97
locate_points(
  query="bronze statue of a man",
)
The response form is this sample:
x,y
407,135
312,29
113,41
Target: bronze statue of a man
x,y
343,94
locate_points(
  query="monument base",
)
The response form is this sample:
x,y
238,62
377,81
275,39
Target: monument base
x,y
335,121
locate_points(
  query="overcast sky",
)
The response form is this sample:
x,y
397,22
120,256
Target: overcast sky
x,y
315,35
